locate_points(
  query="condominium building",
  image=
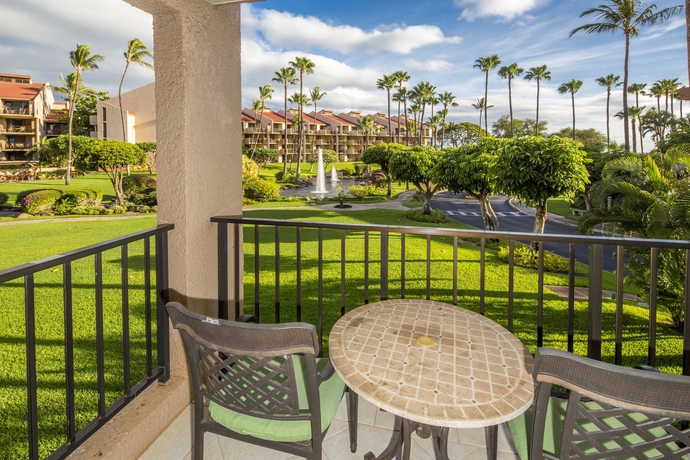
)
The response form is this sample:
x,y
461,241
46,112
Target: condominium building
x,y
139,116
24,106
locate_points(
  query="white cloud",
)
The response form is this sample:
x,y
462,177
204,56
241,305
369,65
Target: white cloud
x,y
294,32
432,65
505,9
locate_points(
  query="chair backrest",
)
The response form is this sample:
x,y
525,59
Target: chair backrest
x,y
249,368
612,411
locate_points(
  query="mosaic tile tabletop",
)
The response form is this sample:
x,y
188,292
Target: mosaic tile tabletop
x,y
433,363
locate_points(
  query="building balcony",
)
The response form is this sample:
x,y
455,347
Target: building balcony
x,y
342,267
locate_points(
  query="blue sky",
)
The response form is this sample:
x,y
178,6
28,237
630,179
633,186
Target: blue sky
x,y
354,43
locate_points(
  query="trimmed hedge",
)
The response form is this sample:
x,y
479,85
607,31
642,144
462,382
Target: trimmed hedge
x,y
25,193
137,183
261,190
4,197
41,201
148,197
436,217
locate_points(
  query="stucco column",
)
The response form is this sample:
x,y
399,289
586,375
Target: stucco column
x,y
198,99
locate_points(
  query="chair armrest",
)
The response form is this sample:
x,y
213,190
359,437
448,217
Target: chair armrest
x,y
326,372
247,319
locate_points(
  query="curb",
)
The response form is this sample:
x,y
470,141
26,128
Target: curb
x,y
530,212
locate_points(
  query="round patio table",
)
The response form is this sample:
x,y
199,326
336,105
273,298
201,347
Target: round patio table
x,y
434,366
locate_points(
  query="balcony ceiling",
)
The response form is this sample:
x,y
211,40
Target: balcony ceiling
x,y
225,2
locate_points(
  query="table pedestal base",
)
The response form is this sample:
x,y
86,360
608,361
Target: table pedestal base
x,y
402,440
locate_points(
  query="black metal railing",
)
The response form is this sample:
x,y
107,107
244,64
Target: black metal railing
x,y
112,284
269,249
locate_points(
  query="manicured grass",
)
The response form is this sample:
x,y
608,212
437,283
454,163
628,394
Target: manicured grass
x,y
92,180
560,207
35,241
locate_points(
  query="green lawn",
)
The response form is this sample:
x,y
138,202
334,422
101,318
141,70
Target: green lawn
x,y
92,180
30,242
560,207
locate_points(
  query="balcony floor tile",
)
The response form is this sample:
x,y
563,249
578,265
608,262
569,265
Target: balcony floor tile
x,y
374,433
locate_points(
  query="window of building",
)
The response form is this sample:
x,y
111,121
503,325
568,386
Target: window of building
x,y
105,114
6,79
21,80
105,131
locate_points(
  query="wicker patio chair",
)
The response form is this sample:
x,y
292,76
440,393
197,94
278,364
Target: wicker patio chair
x,y
261,383
610,411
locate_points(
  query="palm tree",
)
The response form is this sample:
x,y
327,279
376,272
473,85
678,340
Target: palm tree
x,y
368,126
301,100
265,92
481,106
68,87
671,86
635,113
424,92
402,77
656,123
486,65
435,121
608,82
286,76
414,109
302,65
657,90
137,52
256,108
537,73
316,95
510,71
387,83
448,100
82,61
401,96
572,87
627,16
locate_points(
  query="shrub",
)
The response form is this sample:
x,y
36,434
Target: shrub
x,y
147,198
289,177
4,197
360,168
524,256
89,196
148,209
279,175
117,209
134,184
436,217
25,193
377,176
347,171
65,204
40,202
261,190
360,191
89,210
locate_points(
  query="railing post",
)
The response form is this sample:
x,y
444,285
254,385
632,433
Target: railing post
x,y
162,295
594,321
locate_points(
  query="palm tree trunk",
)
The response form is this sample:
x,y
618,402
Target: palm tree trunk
x,y
536,127
301,129
119,98
390,133
398,133
68,173
608,117
625,92
407,130
285,133
486,103
639,126
572,95
671,104
634,137
443,127
480,117
421,123
510,104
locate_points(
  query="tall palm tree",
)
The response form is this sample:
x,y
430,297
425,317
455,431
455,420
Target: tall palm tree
x,y
68,87
402,77
414,109
368,126
608,82
435,121
265,92
635,113
656,90
572,87
481,106
627,16
670,86
137,52
510,71
82,61
401,96
538,73
656,123
448,100
301,100
424,92
486,65
301,65
316,95
256,108
286,76
387,83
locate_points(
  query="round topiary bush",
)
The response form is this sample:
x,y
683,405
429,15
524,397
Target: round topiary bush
x,y
261,190
436,217
40,202
4,197
25,193
137,183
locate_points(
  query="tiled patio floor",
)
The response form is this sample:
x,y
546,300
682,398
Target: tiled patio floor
x,y
374,433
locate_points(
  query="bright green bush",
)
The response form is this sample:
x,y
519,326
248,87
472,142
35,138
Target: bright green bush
x,y
4,197
147,197
524,256
25,193
89,210
436,217
360,191
360,168
261,190
347,171
40,202
137,183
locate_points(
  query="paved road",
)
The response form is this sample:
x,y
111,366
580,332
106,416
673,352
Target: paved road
x,y
468,212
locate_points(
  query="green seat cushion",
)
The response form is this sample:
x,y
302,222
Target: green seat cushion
x,y
330,394
521,430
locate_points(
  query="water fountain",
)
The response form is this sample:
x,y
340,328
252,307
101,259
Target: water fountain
x,y
334,175
320,176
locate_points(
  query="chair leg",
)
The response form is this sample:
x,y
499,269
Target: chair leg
x,y
352,418
198,451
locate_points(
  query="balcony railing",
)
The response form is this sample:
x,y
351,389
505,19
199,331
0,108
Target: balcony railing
x,y
373,262
95,335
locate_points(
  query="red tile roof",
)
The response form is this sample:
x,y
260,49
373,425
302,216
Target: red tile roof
x,y
54,115
20,90
275,117
337,118
246,117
